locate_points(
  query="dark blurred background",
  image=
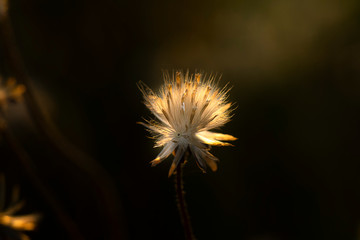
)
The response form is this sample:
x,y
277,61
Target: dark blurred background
x,y
295,71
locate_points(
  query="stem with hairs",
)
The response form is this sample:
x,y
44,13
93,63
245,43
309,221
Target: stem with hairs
x,y
181,202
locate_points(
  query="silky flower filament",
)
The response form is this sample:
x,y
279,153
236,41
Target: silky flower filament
x,y
186,108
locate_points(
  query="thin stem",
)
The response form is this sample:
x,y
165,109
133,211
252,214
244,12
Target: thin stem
x,y
181,202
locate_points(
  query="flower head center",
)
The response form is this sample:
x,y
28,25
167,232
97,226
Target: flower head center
x,y
182,137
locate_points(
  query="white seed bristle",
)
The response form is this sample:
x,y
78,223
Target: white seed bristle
x,y
186,109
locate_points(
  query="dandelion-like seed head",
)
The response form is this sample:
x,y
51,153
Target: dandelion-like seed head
x,y
186,108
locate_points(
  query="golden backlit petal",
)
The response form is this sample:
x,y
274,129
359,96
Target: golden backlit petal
x,y
26,222
218,136
213,142
29,226
23,223
172,169
165,152
155,162
211,163
5,220
225,108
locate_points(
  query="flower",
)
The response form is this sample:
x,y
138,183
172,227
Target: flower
x,y
186,108
12,224
11,92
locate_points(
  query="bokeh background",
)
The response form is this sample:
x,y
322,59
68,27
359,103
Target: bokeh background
x,y
294,68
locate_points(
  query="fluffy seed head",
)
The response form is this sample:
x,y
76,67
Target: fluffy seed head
x,y
186,108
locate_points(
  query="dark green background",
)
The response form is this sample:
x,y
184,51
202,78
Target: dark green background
x,y
295,71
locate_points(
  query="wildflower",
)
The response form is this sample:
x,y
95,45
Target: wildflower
x,y
11,92
186,108
12,224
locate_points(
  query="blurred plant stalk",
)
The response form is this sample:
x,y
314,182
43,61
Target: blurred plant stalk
x,y
107,196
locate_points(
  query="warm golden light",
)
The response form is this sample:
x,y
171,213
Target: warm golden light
x,y
17,223
186,107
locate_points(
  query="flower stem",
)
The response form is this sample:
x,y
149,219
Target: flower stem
x,y
181,203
